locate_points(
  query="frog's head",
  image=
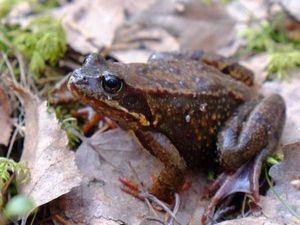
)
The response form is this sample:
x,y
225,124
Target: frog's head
x,y
103,86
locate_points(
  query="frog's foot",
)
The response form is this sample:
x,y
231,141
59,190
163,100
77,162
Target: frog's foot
x,y
92,118
131,188
134,190
244,180
186,186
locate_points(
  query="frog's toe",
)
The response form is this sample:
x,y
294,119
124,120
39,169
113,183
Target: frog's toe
x,y
244,180
131,188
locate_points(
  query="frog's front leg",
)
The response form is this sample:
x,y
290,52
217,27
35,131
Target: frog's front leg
x,y
246,139
171,177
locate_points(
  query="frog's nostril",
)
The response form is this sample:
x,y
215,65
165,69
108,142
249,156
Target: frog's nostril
x,y
77,79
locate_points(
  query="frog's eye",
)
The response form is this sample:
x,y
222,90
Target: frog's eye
x,y
111,83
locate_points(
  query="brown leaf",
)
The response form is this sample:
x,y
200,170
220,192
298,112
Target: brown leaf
x,y
194,24
253,220
101,197
5,122
52,165
90,24
128,40
285,174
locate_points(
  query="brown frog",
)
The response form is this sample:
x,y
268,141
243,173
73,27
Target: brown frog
x,y
188,110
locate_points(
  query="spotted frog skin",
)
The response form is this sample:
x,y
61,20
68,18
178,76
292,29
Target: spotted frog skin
x,y
188,110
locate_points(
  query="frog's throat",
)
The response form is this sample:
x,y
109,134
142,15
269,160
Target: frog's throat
x,y
140,117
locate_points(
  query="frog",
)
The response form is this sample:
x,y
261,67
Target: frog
x,y
191,111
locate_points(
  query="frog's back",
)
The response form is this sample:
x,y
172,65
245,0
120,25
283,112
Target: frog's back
x,y
184,76
189,102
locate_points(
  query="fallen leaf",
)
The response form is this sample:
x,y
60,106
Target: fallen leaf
x,y
284,174
195,25
5,121
132,55
89,24
253,220
53,171
131,38
287,171
100,197
292,7
126,46
243,11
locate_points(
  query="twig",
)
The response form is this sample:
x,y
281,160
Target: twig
x,y
287,206
22,70
175,209
11,144
9,66
143,189
161,204
155,219
43,81
243,206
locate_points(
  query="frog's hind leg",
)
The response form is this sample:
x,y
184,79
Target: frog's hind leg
x,y
226,65
246,139
171,178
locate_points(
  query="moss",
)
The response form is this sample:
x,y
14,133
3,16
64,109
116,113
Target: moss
x,y
43,42
271,37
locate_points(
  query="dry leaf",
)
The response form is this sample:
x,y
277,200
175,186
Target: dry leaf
x,y
194,24
252,220
5,123
90,24
292,7
288,171
130,38
274,212
285,174
132,55
101,197
53,171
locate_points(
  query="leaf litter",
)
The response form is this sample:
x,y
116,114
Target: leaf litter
x,y
5,120
107,203
53,171
102,197
104,157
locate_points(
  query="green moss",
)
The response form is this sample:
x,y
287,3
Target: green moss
x,y
281,62
274,159
36,6
68,123
6,6
8,166
42,43
284,53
